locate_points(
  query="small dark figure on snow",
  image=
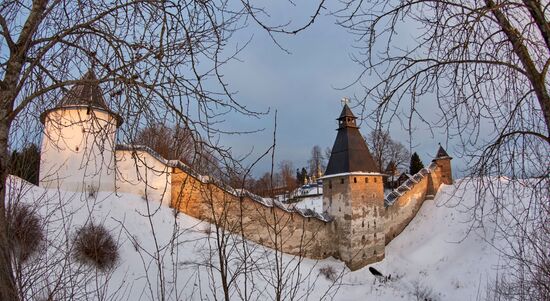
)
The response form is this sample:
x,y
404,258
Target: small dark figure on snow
x,y
375,272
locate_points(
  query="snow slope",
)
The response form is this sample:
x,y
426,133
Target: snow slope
x,y
163,257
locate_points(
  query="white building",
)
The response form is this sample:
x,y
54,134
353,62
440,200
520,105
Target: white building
x,y
79,151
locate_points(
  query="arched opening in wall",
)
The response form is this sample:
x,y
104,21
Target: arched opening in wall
x,y
342,181
354,180
366,180
329,184
76,148
374,180
363,224
374,253
363,238
339,209
375,235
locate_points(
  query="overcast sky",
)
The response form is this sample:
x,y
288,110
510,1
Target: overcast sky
x,y
305,87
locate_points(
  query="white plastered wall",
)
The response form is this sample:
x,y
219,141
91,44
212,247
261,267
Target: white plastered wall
x,y
140,173
77,151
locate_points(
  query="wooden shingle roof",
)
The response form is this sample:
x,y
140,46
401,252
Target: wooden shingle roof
x,y
350,152
85,93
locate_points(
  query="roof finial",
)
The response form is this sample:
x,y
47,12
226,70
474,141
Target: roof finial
x,y
345,101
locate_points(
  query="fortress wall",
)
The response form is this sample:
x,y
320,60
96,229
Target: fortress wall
x,y
141,173
270,226
404,209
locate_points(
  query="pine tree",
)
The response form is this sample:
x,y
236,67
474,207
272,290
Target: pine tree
x,y
416,164
26,163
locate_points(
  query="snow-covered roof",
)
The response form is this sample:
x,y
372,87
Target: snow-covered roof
x,y
353,173
408,185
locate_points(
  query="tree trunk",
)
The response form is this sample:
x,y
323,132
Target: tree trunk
x,y
8,289
535,77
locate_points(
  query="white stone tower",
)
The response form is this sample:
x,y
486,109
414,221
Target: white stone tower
x,y
78,146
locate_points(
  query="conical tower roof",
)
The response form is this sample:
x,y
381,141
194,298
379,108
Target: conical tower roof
x,y
86,93
350,152
441,153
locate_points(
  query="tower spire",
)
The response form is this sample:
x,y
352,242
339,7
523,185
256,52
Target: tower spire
x,y
349,152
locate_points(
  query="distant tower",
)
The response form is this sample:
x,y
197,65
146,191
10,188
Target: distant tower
x,y
443,160
79,140
353,194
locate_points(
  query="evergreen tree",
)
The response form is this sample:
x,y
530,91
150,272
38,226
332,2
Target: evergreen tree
x,y
26,163
299,180
416,164
304,175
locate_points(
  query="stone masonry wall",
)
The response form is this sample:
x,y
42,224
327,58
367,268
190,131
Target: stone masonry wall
x,y
357,204
271,226
367,226
404,209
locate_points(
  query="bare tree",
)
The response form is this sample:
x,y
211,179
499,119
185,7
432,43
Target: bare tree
x,y
385,150
286,169
154,58
179,143
316,162
484,65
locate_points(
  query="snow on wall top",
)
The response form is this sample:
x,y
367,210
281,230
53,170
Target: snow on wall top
x,y
235,192
407,185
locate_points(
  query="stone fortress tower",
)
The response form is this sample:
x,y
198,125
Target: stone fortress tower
x,y
353,194
78,147
443,160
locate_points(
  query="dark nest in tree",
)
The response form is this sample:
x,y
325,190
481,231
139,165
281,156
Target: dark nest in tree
x,y
25,231
95,246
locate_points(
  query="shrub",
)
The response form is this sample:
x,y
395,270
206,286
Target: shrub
x,y
25,231
92,191
423,293
95,246
329,272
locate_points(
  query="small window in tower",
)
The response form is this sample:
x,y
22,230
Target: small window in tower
x,y
366,180
374,235
341,181
354,180
88,111
329,184
363,238
374,180
76,148
363,224
339,209
374,252
83,130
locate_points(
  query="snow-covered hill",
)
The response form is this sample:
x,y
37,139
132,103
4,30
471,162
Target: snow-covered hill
x,y
160,255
